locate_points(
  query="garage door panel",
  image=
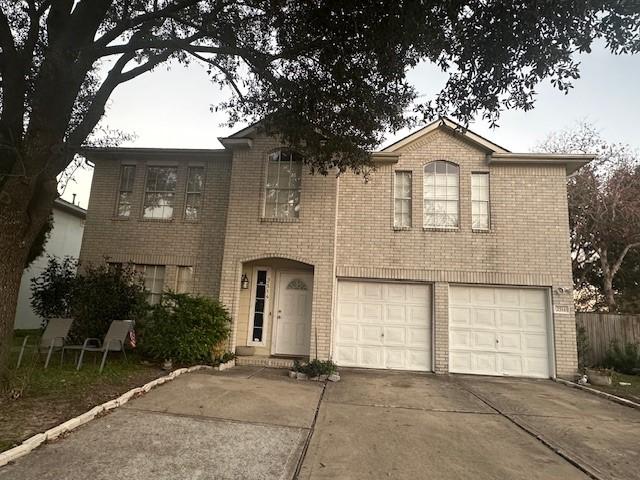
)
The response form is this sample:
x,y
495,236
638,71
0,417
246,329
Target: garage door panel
x,y
483,340
396,314
370,357
460,316
509,320
390,328
370,334
483,318
499,331
372,312
535,321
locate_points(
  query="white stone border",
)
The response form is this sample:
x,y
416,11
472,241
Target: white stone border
x,y
31,443
608,396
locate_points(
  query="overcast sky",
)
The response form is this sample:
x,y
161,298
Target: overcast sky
x,y
171,108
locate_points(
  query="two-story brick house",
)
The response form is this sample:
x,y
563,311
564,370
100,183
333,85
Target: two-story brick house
x,y
451,256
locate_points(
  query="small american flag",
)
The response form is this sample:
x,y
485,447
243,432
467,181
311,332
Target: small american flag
x,y
132,338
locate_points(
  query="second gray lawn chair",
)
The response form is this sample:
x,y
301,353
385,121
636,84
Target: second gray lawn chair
x,y
52,338
114,341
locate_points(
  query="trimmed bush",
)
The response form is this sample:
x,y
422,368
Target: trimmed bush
x,y
184,329
93,297
315,368
623,359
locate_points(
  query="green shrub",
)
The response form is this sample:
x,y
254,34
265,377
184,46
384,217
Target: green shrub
x,y
315,368
184,329
93,297
52,290
623,359
103,294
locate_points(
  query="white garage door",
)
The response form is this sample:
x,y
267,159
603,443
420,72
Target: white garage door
x,y
383,325
499,331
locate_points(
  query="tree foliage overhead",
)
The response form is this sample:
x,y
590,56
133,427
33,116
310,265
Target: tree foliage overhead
x,y
333,67
604,218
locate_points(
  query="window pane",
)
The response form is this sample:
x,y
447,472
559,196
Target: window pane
x,y
192,208
159,197
185,280
282,194
441,195
195,183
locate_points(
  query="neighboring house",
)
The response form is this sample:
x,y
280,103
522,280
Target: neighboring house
x,y
452,256
64,240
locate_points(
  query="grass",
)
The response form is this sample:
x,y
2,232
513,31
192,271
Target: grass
x,y
37,399
630,392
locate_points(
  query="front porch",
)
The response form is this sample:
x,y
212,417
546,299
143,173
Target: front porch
x,y
273,321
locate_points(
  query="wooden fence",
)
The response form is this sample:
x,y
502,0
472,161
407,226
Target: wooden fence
x,y
603,328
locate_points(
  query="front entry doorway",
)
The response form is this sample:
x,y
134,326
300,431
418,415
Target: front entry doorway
x,y
292,313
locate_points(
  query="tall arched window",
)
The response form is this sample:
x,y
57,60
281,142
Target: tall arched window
x,y
284,174
441,195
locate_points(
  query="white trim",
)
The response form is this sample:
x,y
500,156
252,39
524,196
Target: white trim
x,y
252,306
550,323
274,326
445,123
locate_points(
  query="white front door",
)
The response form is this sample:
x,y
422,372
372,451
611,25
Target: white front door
x,y
499,331
293,313
383,325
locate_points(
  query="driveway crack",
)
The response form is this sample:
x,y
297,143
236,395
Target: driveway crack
x,y
307,441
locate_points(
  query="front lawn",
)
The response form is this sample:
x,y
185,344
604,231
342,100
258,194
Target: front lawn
x,y
38,399
630,392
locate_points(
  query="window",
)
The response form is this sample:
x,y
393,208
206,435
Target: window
x,y
195,186
125,195
284,172
402,200
259,309
480,201
441,196
153,281
160,192
184,282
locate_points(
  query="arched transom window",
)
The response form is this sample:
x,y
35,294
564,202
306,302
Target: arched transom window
x,y
282,196
441,195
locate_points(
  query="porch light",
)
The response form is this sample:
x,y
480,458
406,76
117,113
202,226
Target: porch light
x,y
244,282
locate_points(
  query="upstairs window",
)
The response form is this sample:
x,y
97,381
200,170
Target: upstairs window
x,y
195,187
125,195
441,195
160,192
184,280
480,201
402,200
284,174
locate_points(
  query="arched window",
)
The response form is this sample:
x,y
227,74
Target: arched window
x,y
282,195
441,195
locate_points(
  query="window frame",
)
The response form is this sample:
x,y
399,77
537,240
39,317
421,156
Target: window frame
x,y
266,312
187,192
148,167
142,268
424,197
409,199
180,269
266,188
488,201
120,191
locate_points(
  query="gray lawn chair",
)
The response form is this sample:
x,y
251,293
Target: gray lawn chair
x,y
52,338
114,341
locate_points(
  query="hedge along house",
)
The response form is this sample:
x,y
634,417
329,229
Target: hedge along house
x,y
453,256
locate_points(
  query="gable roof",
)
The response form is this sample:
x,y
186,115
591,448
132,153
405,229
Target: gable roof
x,y
456,128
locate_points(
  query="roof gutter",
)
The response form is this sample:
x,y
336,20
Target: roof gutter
x,y
572,162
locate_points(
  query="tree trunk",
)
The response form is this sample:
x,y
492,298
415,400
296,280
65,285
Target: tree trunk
x,y
25,205
608,292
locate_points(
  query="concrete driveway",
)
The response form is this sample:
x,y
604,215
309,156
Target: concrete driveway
x,y
407,425
255,423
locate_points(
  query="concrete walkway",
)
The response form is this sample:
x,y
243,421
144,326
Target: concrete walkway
x,y
254,423
243,423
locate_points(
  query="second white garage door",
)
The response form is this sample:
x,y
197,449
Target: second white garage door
x,y
499,331
383,325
